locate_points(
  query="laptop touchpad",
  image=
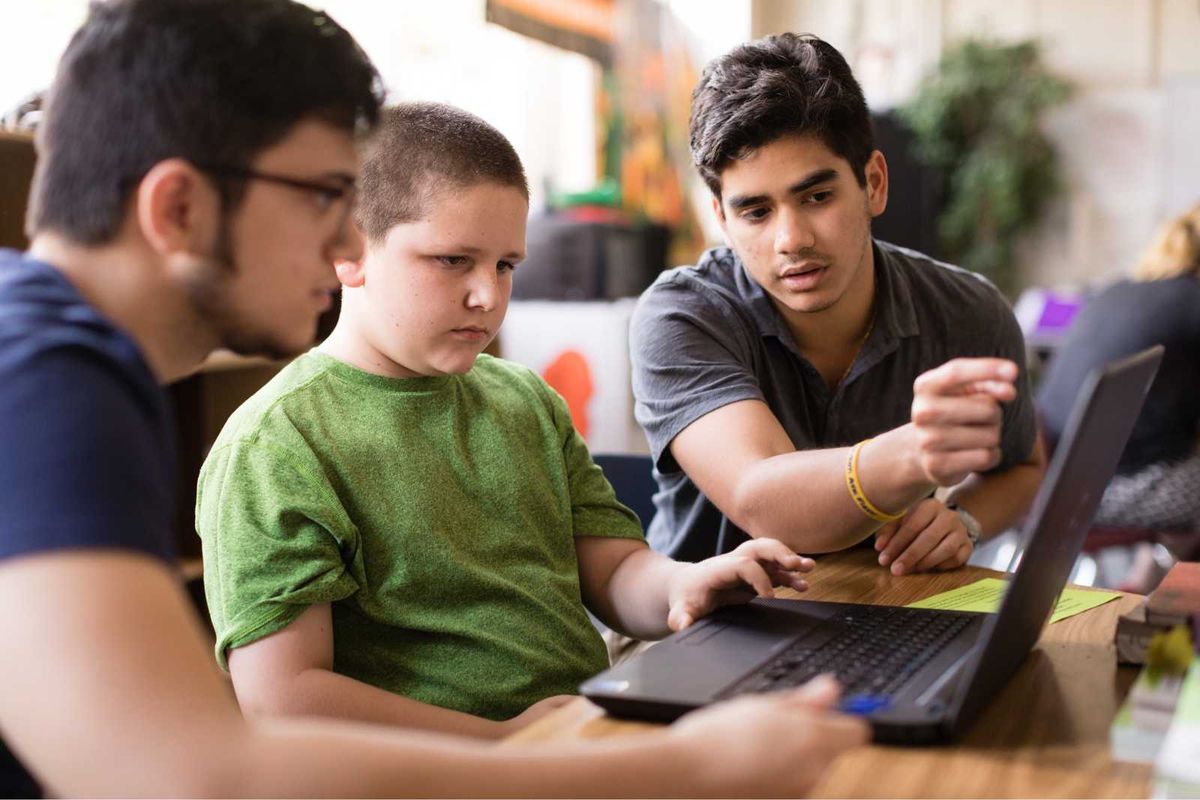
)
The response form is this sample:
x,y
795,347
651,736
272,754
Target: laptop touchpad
x,y
735,640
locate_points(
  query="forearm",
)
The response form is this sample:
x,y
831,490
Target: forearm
x,y
323,693
635,601
801,497
223,755
1001,499
306,760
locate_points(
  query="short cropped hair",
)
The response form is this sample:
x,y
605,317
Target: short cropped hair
x,y
210,81
780,85
420,148
1175,250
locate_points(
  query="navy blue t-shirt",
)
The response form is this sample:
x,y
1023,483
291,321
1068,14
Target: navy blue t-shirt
x,y
87,457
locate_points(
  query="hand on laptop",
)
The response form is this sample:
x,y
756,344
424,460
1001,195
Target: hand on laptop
x,y
929,537
773,745
752,569
956,417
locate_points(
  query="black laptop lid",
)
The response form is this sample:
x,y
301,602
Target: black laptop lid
x,y
1084,461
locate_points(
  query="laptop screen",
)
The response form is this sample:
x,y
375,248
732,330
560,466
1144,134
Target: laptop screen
x,y
1062,513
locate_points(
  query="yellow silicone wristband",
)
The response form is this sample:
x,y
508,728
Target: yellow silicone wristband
x,y
854,485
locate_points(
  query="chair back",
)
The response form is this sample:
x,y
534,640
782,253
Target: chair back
x,y
16,173
632,478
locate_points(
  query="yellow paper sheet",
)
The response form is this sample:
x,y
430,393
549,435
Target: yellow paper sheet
x,y
984,595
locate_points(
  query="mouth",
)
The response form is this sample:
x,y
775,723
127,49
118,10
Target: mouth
x,y
470,333
804,276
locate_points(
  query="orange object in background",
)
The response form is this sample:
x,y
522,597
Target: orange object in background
x,y
571,376
581,26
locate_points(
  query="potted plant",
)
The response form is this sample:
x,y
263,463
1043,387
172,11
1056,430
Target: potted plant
x,y
976,120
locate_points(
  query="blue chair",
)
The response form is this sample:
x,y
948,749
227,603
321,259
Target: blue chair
x,y
632,478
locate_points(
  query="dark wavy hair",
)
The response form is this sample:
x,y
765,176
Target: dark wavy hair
x,y
780,85
210,81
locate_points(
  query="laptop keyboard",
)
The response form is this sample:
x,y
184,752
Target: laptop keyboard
x,y
872,654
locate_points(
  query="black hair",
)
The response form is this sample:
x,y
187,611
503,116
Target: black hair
x,y
210,81
421,146
780,85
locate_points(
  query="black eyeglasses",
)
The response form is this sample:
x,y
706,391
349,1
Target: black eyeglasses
x,y
324,195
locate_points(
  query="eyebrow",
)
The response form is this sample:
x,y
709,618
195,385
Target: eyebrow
x,y
345,178
803,185
474,251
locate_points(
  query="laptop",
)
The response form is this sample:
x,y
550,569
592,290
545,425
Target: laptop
x,y
918,675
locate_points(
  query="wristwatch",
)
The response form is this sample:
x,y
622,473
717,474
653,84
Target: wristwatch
x,y
974,529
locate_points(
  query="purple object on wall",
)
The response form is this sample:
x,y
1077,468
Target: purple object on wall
x,y
1057,312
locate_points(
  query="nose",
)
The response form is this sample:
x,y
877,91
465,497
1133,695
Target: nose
x,y
347,244
793,232
484,290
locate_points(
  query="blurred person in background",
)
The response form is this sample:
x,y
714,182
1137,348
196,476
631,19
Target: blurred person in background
x,y
1157,484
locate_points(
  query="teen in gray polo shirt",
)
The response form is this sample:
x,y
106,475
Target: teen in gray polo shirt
x,y
807,382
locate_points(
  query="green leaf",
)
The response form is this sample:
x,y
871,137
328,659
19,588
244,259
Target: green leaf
x,y
977,120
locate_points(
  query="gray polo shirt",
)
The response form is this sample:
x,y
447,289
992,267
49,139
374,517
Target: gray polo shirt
x,y
706,336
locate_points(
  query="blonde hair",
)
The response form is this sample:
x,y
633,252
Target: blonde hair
x,y
1175,251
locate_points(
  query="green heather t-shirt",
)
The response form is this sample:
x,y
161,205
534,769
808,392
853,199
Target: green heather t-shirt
x,y
436,515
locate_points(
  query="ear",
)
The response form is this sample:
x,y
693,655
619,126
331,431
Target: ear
x,y
877,183
177,208
353,272
719,213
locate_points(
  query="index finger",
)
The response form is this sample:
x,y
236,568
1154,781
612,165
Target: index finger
x,y
962,374
914,522
775,551
822,693
885,534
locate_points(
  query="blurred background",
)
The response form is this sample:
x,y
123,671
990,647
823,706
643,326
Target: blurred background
x,y
594,89
1040,142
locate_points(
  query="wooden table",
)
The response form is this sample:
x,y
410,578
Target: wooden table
x,y
1045,735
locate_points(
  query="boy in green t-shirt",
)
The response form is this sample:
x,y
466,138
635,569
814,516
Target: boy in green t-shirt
x,y
399,529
